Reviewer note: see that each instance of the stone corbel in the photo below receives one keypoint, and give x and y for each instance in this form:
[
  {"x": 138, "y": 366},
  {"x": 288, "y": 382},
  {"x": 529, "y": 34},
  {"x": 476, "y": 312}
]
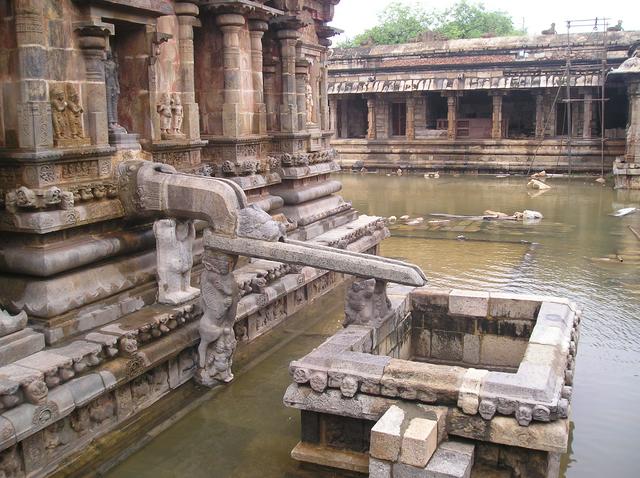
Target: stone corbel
[{"x": 157, "y": 39}]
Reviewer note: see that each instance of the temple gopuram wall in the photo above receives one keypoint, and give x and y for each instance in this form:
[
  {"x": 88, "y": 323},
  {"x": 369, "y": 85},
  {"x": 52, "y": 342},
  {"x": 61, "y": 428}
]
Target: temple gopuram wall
[
  {"x": 483, "y": 105},
  {"x": 233, "y": 90}
]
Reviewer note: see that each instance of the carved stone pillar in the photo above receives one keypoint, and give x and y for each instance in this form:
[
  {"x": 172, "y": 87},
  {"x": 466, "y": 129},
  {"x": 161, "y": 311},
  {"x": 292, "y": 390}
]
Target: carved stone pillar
[
  {"x": 270, "y": 97},
  {"x": 587, "y": 114},
  {"x": 187, "y": 20},
  {"x": 371, "y": 118},
  {"x": 302, "y": 78},
  {"x": 632, "y": 154},
  {"x": 231, "y": 24},
  {"x": 333, "y": 114},
  {"x": 256, "y": 32},
  {"x": 93, "y": 42},
  {"x": 33, "y": 108},
  {"x": 452, "y": 106},
  {"x": 411, "y": 118},
  {"x": 288, "y": 108},
  {"x": 496, "y": 117},
  {"x": 539, "y": 116},
  {"x": 344, "y": 119}
]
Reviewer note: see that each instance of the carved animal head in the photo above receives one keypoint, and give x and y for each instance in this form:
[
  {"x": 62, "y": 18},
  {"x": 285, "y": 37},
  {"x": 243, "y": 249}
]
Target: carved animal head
[
  {"x": 254, "y": 223},
  {"x": 25, "y": 197}
]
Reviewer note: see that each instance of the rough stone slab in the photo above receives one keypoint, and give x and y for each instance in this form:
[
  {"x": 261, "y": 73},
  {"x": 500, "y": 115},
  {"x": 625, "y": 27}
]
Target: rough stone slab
[
  {"x": 106, "y": 340},
  {"x": 471, "y": 349},
  {"x": 379, "y": 468},
  {"x": 78, "y": 349},
  {"x": 513, "y": 306},
  {"x": 19, "y": 374},
  {"x": 551, "y": 436},
  {"x": 86, "y": 388},
  {"x": 469, "y": 303},
  {"x": 45, "y": 361},
  {"x": 532, "y": 382},
  {"x": 19, "y": 345},
  {"x": 363, "y": 406},
  {"x": 425, "y": 382},
  {"x": 386, "y": 439},
  {"x": 451, "y": 460},
  {"x": 555, "y": 315},
  {"x": 431, "y": 296},
  {"x": 402, "y": 470},
  {"x": 469, "y": 395},
  {"x": 419, "y": 442},
  {"x": 501, "y": 351},
  {"x": 331, "y": 457},
  {"x": 366, "y": 368}
]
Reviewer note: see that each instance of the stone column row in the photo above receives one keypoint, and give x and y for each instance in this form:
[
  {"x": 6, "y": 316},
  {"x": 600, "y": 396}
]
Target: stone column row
[
  {"x": 231, "y": 24},
  {"x": 289, "y": 106},
  {"x": 256, "y": 32},
  {"x": 187, "y": 19}
]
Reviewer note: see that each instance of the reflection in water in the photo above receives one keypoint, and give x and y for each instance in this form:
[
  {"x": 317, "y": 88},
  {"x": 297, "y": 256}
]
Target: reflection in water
[{"x": 577, "y": 250}]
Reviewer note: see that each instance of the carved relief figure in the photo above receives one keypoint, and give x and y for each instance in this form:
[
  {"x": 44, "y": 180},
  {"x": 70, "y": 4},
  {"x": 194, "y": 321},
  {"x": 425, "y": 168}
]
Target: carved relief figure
[
  {"x": 174, "y": 245},
  {"x": 58, "y": 112},
  {"x": 219, "y": 302},
  {"x": 310, "y": 103},
  {"x": 164, "y": 110},
  {"x": 74, "y": 112},
  {"x": 367, "y": 303},
  {"x": 113, "y": 92},
  {"x": 177, "y": 112}
]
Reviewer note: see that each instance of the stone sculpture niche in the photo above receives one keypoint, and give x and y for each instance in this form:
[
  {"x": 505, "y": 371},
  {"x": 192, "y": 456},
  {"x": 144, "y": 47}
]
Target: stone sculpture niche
[
  {"x": 66, "y": 115},
  {"x": 174, "y": 252},
  {"x": 171, "y": 114}
]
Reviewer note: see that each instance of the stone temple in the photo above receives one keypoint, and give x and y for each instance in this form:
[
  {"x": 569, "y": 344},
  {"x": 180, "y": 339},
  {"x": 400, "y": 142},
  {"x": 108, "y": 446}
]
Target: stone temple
[{"x": 166, "y": 198}]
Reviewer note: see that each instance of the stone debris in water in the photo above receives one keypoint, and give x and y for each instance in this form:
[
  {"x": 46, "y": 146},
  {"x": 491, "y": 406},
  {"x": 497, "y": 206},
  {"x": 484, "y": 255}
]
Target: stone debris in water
[
  {"x": 624, "y": 211},
  {"x": 536, "y": 184}
]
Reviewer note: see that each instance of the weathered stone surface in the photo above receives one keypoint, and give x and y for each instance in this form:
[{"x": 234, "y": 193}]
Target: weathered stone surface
[
  {"x": 419, "y": 442},
  {"x": 386, "y": 438},
  {"x": 469, "y": 303},
  {"x": 513, "y": 306},
  {"x": 469, "y": 395},
  {"x": 20, "y": 344},
  {"x": 379, "y": 468},
  {"x": 451, "y": 460}
]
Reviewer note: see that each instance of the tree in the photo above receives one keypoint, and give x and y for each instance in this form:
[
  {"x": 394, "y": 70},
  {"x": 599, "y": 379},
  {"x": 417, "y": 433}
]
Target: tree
[{"x": 401, "y": 23}]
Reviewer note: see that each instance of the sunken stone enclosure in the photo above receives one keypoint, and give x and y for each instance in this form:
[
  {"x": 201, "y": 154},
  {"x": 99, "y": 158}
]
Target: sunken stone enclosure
[{"x": 448, "y": 381}]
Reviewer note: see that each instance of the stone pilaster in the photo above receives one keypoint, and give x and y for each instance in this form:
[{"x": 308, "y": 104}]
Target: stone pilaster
[
  {"x": 302, "y": 77},
  {"x": 411, "y": 118},
  {"x": 587, "y": 114},
  {"x": 256, "y": 32},
  {"x": 288, "y": 108},
  {"x": 231, "y": 24},
  {"x": 324, "y": 97},
  {"x": 33, "y": 108},
  {"x": 187, "y": 19},
  {"x": 270, "y": 97},
  {"x": 632, "y": 154},
  {"x": 371, "y": 118},
  {"x": 496, "y": 116},
  {"x": 539, "y": 116},
  {"x": 93, "y": 42},
  {"x": 344, "y": 119}
]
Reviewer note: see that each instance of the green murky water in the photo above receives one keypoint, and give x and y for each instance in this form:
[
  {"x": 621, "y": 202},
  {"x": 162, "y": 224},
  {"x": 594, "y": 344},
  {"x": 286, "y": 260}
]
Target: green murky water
[{"x": 577, "y": 250}]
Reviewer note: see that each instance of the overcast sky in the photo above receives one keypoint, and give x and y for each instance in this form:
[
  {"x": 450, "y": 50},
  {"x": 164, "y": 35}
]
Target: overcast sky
[{"x": 355, "y": 16}]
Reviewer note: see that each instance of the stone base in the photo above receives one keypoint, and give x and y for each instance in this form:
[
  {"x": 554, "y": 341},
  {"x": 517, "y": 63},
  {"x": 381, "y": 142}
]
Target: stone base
[
  {"x": 331, "y": 457},
  {"x": 178, "y": 297},
  {"x": 173, "y": 136},
  {"x": 71, "y": 142},
  {"x": 626, "y": 175},
  {"x": 20, "y": 345},
  {"x": 124, "y": 140}
]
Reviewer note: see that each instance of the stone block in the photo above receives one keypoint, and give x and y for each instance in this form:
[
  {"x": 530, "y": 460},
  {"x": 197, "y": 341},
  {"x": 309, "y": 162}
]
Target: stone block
[
  {"x": 469, "y": 303},
  {"x": 379, "y": 468},
  {"x": 471, "y": 349},
  {"x": 513, "y": 306},
  {"x": 502, "y": 351},
  {"x": 386, "y": 435},
  {"x": 451, "y": 460},
  {"x": 419, "y": 442},
  {"x": 469, "y": 395},
  {"x": 20, "y": 344},
  {"x": 446, "y": 345},
  {"x": 402, "y": 470},
  {"x": 86, "y": 388}
]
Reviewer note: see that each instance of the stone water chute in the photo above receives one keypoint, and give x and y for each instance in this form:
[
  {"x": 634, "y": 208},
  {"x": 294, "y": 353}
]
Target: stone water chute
[{"x": 235, "y": 229}]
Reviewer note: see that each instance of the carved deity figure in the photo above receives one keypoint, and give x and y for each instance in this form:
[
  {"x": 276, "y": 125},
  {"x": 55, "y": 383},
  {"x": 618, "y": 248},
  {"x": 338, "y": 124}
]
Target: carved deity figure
[
  {"x": 74, "y": 112},
  {"x": 113, "y": 92},
  {"x": 367, "y": 303},
  {"x": 59, "y": 113},
  {"x": 174, "y": 245},
  {"x": 309, "y": 103},
  {"x": 177, "y": 113},
  {"x": 219, "y": 303},
  {"x": 164, "y": 110}
]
